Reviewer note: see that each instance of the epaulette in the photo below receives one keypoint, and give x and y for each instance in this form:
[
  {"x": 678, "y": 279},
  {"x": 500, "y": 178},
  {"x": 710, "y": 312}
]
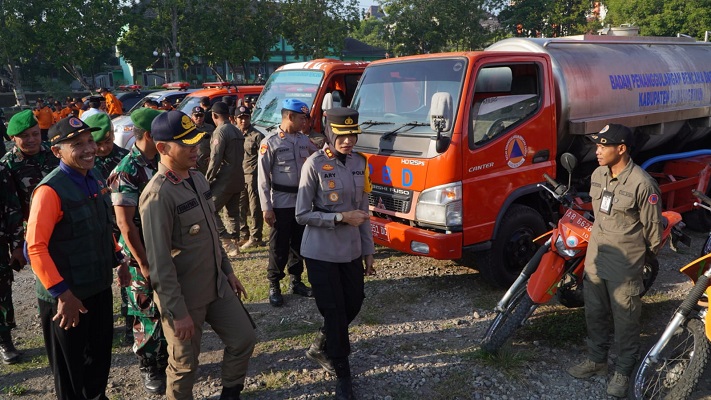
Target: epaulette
[
  {"x": 329, "y": 153},
  {"x": 172, "y": 177},
  {"x": 156, "y": 183}
]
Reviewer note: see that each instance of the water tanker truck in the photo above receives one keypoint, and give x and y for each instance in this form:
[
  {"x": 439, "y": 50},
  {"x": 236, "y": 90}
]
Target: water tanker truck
[{"x": 457, "y": 142}]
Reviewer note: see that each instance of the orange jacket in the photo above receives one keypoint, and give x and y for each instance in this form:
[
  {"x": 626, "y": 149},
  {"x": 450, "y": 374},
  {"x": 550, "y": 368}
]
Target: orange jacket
[
  {"x": 45, "y": 117},
  {"x": 113, "y": 104}
]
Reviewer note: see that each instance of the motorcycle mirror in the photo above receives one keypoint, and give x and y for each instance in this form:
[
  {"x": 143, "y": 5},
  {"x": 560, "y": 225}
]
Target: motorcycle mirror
[{"x": 568, "y": 161}]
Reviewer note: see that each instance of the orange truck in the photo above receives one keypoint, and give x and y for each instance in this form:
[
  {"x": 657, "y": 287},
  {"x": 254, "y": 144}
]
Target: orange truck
[
  {"x": 321, "y": 83},
  {"x": 458, "y": 142}
]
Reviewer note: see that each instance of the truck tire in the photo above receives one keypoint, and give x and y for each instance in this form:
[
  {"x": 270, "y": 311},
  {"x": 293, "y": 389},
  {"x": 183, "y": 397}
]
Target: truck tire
[
  {"x": 506, "y": 323},
  {"x": 681, "y": 363},
  {"x": 513, "y": 246}
]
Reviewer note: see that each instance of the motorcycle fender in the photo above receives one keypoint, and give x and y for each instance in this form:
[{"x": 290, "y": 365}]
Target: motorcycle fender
[
  {"x": 707, "y": 319},
  {"x": 544, "y": 282}
]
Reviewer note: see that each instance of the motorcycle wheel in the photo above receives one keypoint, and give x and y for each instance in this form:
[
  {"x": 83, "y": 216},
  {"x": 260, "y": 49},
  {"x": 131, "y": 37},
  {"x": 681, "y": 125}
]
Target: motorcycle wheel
[
  {"x": 508, "y": 321},
  {"x": 681, "y": 363}
]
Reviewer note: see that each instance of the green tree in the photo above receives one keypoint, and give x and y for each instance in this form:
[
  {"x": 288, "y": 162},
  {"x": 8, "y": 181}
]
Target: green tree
[
  {"x": 267, "y": 20},
  {"x": 318, "y": 27},
  {"x": 662, "y": 17},
  {"x": 374, "y": 32},
  {"x": 17, "y": 22},
  {"x": 547, "y": 18},
  {"x": 78, "y": 36}
]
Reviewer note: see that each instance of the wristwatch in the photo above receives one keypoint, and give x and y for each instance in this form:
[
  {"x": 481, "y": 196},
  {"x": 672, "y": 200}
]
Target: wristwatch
[{"x": 339, "y": 218}]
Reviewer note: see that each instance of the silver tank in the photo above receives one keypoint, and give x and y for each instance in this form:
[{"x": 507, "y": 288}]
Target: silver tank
[{"x": 654, "y": 84}]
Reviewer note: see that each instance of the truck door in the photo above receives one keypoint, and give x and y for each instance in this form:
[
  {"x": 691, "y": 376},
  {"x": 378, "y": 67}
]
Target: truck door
[{"x": 511, "y": 139}]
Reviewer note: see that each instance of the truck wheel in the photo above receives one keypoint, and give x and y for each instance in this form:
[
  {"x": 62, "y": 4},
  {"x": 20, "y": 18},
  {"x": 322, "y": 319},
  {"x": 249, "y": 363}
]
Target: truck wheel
[{"x": 513, "y": 245}]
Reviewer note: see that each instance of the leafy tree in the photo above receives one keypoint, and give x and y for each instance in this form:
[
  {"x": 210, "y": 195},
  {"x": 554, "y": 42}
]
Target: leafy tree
[
  {"x": 266, "y": 28},
  {"x": 17, "y": 22},
  {"x": 78, "y": 35},
  {"x": 662, "y": 17},
  {"x": 547, "y": 18},
  {"x": 318, "y": 27},
  {"x": 372, "y": 31}
]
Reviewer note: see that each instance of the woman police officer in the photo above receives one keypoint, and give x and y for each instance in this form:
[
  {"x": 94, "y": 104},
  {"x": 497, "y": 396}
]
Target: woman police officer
[{"x": 333, "y": 204}]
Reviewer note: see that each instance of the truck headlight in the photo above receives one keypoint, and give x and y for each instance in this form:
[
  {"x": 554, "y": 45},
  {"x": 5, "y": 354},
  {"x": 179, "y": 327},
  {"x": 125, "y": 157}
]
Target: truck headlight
[{"x": 441, "y": 205}]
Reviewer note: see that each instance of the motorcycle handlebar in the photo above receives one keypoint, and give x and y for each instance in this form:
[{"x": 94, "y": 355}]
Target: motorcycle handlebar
[
  {"x": 551, "y": 181},
  {"x": 701, "y": 196}
]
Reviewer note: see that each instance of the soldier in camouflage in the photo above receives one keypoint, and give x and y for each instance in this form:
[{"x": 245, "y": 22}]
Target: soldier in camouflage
[
  {"x": 23, "y": 166},
  {"x": 30, "y": 160},
  {"x": 127, "y": 181},
  {"x": 107, "y": 154},
  {"x": 11, "y": 237}
]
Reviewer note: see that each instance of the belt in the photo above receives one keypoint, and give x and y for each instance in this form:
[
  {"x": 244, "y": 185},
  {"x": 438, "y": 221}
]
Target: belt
[{"x": 285, "y": 188}]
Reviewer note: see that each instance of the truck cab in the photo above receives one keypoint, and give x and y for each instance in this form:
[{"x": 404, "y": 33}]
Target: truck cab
[
  {"x": 310, "y": 82},
  {"x": 456, "y": 144}
]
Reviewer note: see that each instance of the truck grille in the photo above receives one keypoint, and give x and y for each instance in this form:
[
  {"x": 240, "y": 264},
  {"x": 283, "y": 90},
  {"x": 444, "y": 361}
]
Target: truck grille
[{"x": 391, "y": 199}]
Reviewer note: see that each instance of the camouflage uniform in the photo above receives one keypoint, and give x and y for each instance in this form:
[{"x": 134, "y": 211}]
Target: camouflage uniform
[
  {"x": 127, "y": 182},
  {"x": 106, "y": 164},
  {"x": 28, "y": 171},
  {"x": 11, "y": 236}
]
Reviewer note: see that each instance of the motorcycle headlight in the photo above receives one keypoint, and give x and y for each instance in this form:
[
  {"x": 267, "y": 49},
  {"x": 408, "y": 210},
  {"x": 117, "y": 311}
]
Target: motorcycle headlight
[
  {"x": 441, "y": 205},
  {"x": 562, "y": 249}
]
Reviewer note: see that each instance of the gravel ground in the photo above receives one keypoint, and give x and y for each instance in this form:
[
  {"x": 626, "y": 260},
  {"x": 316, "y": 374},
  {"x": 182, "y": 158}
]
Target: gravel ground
[{"x": 416, "y": 338}]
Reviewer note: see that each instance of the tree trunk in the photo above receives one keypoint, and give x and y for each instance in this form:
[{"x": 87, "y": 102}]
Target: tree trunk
[{"x": 16, "y": 84}]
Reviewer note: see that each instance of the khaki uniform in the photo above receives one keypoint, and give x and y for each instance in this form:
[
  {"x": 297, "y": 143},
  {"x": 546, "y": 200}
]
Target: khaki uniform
[
  {"x": 225, "y": 174},
  {"x": 249, "y": 198},
  {"x": 189, "y": 269},
  {"x": 615, "y": 258},
  {"x": 281, "y": 157},
  {"x": 204, "y": 148}
]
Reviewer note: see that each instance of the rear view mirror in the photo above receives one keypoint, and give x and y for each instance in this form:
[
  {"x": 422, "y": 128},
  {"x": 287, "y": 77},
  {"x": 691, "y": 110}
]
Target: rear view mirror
[
  {"x": 441, "y": 112},
  {"x": 568, "y": 161}
]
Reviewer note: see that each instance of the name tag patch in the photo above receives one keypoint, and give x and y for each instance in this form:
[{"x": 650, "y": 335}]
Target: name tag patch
[{"x": 187, "y": 206}]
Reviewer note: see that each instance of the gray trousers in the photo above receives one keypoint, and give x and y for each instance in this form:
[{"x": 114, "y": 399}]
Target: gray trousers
[{"x": 613, "y": 304}]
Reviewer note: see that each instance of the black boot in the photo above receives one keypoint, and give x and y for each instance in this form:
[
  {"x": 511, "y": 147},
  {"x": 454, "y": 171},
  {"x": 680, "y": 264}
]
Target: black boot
[
  {"x": 275, "y": 297},
  {"x": 317, "y": 353},
  {"x": 344, "y": 383},
  {"x": 153, "y": 380},
  {"x": 8, "y": 352},
  {"x": 298, "y": 287},
  {"x": 231, "y": 393}
]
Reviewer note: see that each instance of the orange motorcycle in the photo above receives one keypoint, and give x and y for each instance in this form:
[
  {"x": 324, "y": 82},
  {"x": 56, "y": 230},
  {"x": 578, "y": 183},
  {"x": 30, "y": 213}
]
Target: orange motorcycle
[{"x": 556, "y": 269}]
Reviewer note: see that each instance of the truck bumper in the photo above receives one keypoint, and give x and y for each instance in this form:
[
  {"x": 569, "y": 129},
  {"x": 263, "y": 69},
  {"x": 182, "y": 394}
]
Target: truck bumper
[{"x": 421, "y": 242}]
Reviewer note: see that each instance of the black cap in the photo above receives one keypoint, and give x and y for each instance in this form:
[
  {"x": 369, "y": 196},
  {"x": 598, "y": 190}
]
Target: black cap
[
  {"x": 242, "y": 110},
  {"x": 103, "y": 89},
  {"x": 174, "y": 126},
  {"x": 343, "y": 121},
  {"x": 611, "y": 134},
  {"x": 67, "y": 128},
  {"x": 220, "y": 107},
  {"x": 198, "y": 110}
]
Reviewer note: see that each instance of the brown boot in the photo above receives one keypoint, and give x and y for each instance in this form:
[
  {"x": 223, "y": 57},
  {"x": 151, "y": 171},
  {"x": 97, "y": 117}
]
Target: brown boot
[{"x": 230, "y": 248}]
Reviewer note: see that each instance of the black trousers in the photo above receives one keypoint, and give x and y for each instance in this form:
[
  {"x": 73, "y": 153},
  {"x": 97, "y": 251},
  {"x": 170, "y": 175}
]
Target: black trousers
[
  {"x": 80, "y": 358},
  {"x": 285, "y": 236},
  {"x": 339, "y": 292}
]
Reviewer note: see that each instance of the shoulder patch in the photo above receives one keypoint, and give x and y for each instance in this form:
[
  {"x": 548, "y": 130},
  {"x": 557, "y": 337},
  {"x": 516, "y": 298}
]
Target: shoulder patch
[
  {"x": 263, "y": 148},
  {"x": 173, "y": 177},
  {"x": 281, "y": 135},
  {"x": 188, "y": 205},
  {"x": 653, "y": 198}
]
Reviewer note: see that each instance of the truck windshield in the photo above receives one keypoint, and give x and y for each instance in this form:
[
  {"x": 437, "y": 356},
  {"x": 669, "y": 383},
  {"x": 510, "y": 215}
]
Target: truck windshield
[
  {"x": 282, "y": 85},
  {"x": 398, "y": 95}
]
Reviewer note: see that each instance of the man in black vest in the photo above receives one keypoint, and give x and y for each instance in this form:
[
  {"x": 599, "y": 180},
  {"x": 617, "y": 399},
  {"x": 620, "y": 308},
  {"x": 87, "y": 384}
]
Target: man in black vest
[{"x": 72, "y": 253}]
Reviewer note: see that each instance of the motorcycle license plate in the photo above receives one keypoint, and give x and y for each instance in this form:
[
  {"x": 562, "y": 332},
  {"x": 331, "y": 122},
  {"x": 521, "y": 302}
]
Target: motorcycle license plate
[
  {"x": 380, "y": 231},
  {"x": 577, "y": 223}
]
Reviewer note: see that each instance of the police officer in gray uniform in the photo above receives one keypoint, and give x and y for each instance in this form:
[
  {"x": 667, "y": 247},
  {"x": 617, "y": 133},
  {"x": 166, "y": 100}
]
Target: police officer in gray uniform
[
  {"x": 225, "y": 174},
  {"x": 628, "y": 228},
  {"x": 337, "y": 244},
  {"x": 281, "y": 156}
]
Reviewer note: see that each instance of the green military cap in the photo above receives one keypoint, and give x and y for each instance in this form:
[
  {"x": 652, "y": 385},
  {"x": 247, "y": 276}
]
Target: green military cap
[
  {"x": 101, "y": 121},
  {"x": 20, "y": 122},
  {"x": 143, "y": 117}
]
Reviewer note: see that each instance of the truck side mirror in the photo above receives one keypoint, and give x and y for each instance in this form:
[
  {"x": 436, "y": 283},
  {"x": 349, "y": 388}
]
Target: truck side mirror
[
  {"x": 327, "y": 102},
  {"x": 441, "y": 115}
]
